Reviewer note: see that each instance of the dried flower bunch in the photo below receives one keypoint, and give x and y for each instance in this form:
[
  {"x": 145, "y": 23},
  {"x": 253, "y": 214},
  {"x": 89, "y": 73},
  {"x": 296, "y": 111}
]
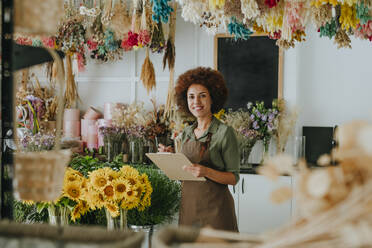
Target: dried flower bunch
[
  {"x": 334, "y": 202},
  {"x": 39, "y": 101}
]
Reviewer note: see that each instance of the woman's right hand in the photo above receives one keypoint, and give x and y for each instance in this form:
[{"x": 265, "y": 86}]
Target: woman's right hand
[{"x": 163, "y": 148}]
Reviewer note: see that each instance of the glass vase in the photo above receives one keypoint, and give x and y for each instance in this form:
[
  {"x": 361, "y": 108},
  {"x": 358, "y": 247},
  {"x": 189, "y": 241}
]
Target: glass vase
[
  {"x": 244, "y": 156},
  {"x": 117, "y": 223},
  {"x": 266, "y": 143},
  {"x": 58, "y": 216},
  {"x": 113, "y": 147},
  {"x": 136, "y": 151}
]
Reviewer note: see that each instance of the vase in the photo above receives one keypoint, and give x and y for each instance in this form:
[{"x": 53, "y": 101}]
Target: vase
[
  {"x": 266, "y": 143},
  {"x": 113, "y": 147},
  {"x": 244, "y": 156},
  {"x": 148, "y": 230},
  {"x": 58, "y": 216},
  {"x": 136, "y": 151},
  {"x": 117, "y": 223}
]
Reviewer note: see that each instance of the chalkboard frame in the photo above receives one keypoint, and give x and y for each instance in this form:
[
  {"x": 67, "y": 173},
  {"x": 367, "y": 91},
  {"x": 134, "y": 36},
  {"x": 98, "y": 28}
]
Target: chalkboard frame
[{"x": 280, "y": 59}]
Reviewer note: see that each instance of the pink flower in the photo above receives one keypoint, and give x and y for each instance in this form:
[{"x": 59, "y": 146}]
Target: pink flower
[{"x": 81, "y": 62}]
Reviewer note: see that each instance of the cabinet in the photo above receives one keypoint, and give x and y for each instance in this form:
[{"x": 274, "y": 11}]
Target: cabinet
[{"x": 255, "y": 211}]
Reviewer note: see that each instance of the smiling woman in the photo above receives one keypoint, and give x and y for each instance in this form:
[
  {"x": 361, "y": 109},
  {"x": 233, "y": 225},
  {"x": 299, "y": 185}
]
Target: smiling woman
[{"x": 212, "y": 147}]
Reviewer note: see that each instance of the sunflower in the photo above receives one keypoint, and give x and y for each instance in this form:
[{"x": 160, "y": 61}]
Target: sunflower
[
  {"x": 131, "y": 194},
  {"x": 120, "y": 188},
  {"x": 129, "y": 172},
  {"x": 95, "y": 200},
  {"x": 128, "y": 205},
  {"x": 72, "y": 190},
  {"x": 109, "y": 192},
  {"x": 98, "y": 178},
  {"x": 110, "y": 174},
  {"x": 113, "y": 209},
  {"x": 72, "y": 175}
]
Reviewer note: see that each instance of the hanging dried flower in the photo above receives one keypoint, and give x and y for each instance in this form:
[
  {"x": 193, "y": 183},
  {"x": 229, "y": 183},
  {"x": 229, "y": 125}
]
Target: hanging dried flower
[
  {"x": 285, "y": 44},
  {"x": 232, "y": 8},
  {"x": 249, "y": 9},
  {"x": 329, "y": 29},
  {"x": 321, "y": 15},
  {"x": 71, "y": 94},
  {"x": 238, "y": 30},
  {"x": 169, "y": 55},
  {"x": 362, "y": 12},
  {"x": 319, "y": 3},
  {"x": 271, "y": 3},
  {"x": 128, "y": 43},
  {"x": 148, "y": 74},
  {"x": 342, "y": 39},
  {"x": 216, "y": 4},
  {"x": 364, "y": 31},
  {"x": 161, "y": 10},
  {"x": 120, "y": 21},
  {"x": 144, "y": 38},
  {"x": 348, "y": 17},
  {"x": 157, "y": 41},
  {"x": 192, "y": 10}
]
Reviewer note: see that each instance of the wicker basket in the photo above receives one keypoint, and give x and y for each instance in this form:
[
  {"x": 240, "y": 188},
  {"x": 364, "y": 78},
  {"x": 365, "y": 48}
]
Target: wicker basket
[
  {"x": 38, "y": 17},
  {"x": 39, "y": 175}
]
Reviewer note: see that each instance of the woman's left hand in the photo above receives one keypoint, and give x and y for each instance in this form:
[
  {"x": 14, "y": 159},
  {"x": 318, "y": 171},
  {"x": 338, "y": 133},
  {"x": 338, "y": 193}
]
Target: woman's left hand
[{"x": 197, "y": 170}]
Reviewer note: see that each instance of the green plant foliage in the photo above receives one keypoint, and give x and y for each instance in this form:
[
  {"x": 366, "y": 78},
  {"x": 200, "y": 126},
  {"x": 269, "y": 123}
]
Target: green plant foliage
[
  {"x": 165, "y": 200},
  {"x": 25, "y": 213}
]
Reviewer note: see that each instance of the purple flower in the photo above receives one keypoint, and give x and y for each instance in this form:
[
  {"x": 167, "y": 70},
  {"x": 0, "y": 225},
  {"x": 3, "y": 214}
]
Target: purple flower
[
  {"x": 271, "y": 116},
  {"x": 252, "y": 117},
  {"x": 255, "y": 125},
  {"x": 258, "y": 113},
  {"x": 264, "y": 117}
]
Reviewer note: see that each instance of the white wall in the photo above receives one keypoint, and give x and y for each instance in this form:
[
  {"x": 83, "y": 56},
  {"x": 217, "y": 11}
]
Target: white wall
[{"x": 329, "y": 85}]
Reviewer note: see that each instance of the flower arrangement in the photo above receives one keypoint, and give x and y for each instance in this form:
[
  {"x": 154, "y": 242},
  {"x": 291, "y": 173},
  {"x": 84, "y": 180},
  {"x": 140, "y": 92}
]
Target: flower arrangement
[
  {"x": 264, "y": 120},
  {"x": 126, "y": 189}
]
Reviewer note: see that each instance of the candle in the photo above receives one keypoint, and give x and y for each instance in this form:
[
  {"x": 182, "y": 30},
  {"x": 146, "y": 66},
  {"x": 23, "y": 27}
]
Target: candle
[
  {"x": 92, "y": 139},
  {"x": 92, "y": 114},
  {"x": 71, "y": 115},
  {"x": 71, "y": 129},
  {"x": 102, "y": 123},
  {"x": 84, "y": 128}
]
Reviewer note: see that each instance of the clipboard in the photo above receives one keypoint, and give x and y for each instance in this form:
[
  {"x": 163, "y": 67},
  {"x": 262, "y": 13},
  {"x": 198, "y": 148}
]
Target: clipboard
[{"x": 171, "y": 164}]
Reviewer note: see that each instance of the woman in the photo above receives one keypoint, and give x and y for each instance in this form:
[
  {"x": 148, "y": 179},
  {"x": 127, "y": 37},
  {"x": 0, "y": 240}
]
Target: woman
[{"x": 212, "y": 147}]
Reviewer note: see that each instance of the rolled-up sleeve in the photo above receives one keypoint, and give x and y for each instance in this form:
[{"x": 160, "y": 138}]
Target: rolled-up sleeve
[{"x": 230, "y": 152}]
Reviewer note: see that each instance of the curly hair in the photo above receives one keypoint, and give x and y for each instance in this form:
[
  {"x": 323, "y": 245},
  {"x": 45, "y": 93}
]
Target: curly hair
[{"x": 210, "y": 79}]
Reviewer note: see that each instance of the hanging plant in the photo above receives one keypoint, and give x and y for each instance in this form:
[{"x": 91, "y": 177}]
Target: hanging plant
[
  {"x": 193, "y": 10},
  {"x": 364, "y": 31},
  {"x": 71, "y": 94},
  {"x": 319, "y": 3},
  {"x": 216, "y": 4},
  {"x": 148, "y": 74},
  {"x": 321, "y": 15},
  {"x": 238, "y": 30},
  {"x": 161, "y": 10}
]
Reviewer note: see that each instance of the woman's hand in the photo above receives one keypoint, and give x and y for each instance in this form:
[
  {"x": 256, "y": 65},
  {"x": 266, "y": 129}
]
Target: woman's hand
[
  {"x": 163, "y": 148},
  {"x": 197, "y": 170}
]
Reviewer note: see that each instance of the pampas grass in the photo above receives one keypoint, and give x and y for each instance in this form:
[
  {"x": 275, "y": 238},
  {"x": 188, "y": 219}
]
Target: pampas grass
[
  {"x": 148, "y": 73},
  {"x": 286, "y": 123}
]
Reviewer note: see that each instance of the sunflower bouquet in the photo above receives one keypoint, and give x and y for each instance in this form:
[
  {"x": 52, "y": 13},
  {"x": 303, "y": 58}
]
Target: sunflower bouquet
[{"x": 115, "y": 190}]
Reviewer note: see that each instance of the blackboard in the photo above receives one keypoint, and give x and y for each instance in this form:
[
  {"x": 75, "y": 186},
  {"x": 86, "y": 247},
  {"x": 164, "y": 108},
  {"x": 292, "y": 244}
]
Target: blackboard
[{"x": 252, "y": 69}]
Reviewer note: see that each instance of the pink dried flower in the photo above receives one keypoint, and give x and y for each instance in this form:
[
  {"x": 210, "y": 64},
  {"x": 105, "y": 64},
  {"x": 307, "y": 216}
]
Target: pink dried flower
[
  {"x": 271, "y": 3},
  {"x": 144, "y": 37},
  {"x": 24, "y": 41},
  {"x": 48, "y": 42},
  {"x": 92, "y": 45}
]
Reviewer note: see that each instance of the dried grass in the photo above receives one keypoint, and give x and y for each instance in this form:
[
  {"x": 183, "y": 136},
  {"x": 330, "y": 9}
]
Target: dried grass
[
  {"x": 148, "y": 73},
  {"x": 71, "y": 94},
  {"x": 286, "y": 124}
]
